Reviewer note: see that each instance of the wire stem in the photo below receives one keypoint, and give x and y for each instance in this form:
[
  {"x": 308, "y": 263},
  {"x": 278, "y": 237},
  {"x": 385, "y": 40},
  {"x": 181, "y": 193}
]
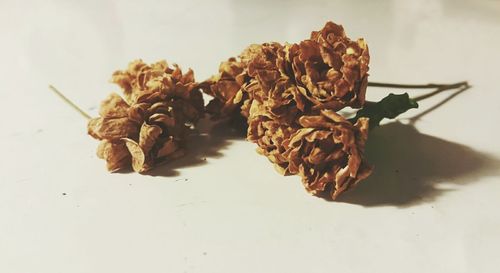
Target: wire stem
[
  {"x": 65, "y": 99},
  {"x": 461, "y": 85},
  {"x": 440, "y": 88},
  {"x": 414, "y": 119},
  {"x": 419, "y": 86}
]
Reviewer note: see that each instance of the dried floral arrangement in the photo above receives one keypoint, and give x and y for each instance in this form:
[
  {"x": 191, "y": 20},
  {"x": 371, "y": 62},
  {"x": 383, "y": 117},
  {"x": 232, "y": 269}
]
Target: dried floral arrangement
[
  {"x": 150, "y": 124},
  {"x": 292, "y": 96}
]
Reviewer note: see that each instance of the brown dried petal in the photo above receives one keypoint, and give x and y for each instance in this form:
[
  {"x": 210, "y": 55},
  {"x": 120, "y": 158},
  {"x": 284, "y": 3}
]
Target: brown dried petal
[
  {"x": 250, "y": 52},
  {"x": 115, "y": 153},
  {"x": 162, "y": 120},
  {"x": 138, "y": 112},
  {"x": 160, "y": 107},
  {"x": 111, "y": 128},
  {"x": 168, "y": 148},
  {"x": 113, "y": 107},
  {"x": 148, "y": 136},
  {"x": 138, "y": 156}
]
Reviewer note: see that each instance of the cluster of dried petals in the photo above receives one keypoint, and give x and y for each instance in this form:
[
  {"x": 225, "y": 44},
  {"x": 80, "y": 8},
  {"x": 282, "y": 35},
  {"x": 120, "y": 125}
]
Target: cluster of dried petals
[
  {"x": 289, "y": 94},
  {"x": 226, "y": 86},
  {"x": 332, "y": 68},
  {"x": 327, "y": 152},
  {"x": 151, "y": 124},
  {"x": 326, "y": 71},
  {"x": 269, "y": 134},
  {"x": 272, "y": 83},
  {"x": 142, "y": 82},
  {"x": 273, "y": 105}
]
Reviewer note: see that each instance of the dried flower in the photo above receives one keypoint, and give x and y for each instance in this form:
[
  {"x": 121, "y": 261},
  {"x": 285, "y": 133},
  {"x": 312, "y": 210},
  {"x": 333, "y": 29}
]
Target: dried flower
[
  {"x": 324, "y": 148},
  {"x": 151, "y": 125},
  {"x": 289, "y": 94},
  {"x": 269, "y": 134},
  {"x": 272, "y": 83},
  {"x": 332, "y": 68},
  {"x": 327, "y": 152},
  {"x": 327, "y": 71},
  {"x": 226, "y": 86}
]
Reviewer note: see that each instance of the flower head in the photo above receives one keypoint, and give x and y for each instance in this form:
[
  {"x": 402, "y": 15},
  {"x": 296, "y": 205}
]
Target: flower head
[
  {"x": 327, "y": 152},
  {"x": 332, "y": 68},
  {"x": 152, "y": 122}
]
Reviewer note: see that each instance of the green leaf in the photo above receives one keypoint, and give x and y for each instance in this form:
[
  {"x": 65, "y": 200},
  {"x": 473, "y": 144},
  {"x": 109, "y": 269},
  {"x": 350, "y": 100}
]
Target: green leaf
[{"x": 389, "y": 107}]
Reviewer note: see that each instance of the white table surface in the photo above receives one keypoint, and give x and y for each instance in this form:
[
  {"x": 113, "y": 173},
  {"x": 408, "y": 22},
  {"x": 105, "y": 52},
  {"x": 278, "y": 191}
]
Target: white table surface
[{"x": 432, "y": 204}]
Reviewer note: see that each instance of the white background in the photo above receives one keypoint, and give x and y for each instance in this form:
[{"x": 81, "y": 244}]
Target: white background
[{"x": 432, "y": 204}]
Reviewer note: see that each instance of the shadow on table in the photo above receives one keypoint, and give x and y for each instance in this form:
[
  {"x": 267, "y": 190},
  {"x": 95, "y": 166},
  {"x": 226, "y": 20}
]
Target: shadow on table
[
  {"x": 207, "y": 141},
  {"x": 410, "y": 166}
]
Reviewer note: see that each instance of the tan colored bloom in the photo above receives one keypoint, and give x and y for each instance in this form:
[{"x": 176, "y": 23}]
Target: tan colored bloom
[
  {"x": 272, "y": 83},
  {"x": 332, "y": 68},
  {"x": 327, "y": 152},
  {"x": 289, "y": 94},
  {"x": 158, "y": 82},
  {"x": 327, "y": 71},
  {"x": 226, "y": 86},
  {"x": 269, "y": 134},
  {"x": 151, "y": 125}
]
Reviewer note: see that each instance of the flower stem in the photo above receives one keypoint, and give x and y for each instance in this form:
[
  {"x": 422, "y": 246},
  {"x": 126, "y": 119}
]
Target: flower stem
[
  {"x": 461, "y": 85},
  {"x": 393, "y": 105},
  {"x": 65, "y": 99},
  {"x": 419, "y": 86},
  {"x": 458, "y": 92}
]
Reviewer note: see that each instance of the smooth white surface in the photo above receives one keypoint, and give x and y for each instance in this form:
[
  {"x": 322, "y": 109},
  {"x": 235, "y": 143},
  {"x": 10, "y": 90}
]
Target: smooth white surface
[{"x": 431, "y": 205}]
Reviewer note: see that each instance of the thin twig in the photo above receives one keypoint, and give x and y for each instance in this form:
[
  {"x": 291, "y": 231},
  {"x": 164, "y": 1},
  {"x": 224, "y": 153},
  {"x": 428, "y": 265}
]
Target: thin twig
[
  {"x": 440, "y": 88},
  {"x": 463, "y": 85},
  {"x": 414, "y": 119},
  {"x": 87, "y": 116},
  {"x": 418, "y": 86}
]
